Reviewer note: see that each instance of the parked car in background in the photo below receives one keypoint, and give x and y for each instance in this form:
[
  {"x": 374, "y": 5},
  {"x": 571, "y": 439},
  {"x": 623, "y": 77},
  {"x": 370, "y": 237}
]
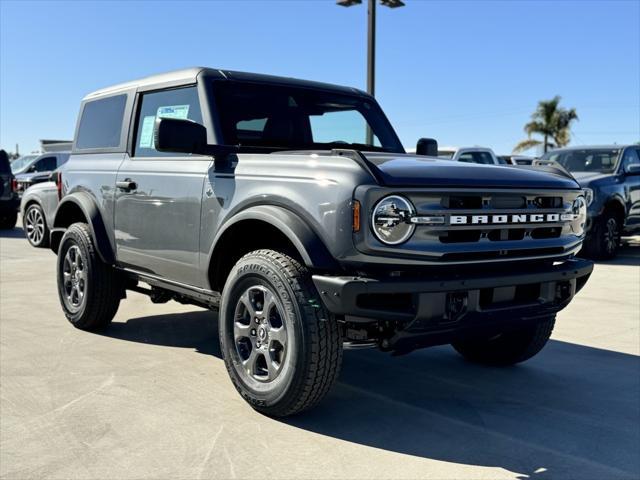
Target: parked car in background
[
  {"x": 8, "y": 198},
  {"x": 39, "y": 170},
  {"x": 516, "y": 159},
  {"x": 611, "y": 178},
  {"x": 38, "y": 207},
  {"x": 481, "y": 155},
  {"x": 20, "y": 163}
]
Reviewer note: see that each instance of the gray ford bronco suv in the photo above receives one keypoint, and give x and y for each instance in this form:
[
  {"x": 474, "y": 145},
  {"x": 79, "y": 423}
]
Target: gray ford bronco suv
[{"x": 292, "y": 207}]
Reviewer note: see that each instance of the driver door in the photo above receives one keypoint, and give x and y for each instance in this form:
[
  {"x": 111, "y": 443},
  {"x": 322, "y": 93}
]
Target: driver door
[{"x": 159, "y": 195}]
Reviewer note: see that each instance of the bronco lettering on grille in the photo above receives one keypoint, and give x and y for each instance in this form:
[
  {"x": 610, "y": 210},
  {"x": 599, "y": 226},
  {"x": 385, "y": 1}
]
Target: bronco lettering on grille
[{"x": 505, "y": 219}]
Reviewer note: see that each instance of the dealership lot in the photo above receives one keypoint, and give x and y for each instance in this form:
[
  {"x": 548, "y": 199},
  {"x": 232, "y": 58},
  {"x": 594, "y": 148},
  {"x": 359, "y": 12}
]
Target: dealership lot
[{"x": 150, "y": 397}]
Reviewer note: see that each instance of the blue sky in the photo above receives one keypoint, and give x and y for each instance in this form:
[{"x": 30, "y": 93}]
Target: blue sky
[{"x": 463, "y": 72}]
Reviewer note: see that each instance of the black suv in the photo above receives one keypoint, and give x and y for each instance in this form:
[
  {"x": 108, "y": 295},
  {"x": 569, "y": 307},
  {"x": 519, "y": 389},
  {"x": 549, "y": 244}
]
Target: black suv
[
  {"x": 9, "y": 200},
  {"x": 292, "y": 206},
  {"x": 611, "y": 178}
]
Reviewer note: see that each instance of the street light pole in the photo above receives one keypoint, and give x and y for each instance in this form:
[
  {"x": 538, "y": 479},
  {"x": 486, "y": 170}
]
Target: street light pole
[
  {"x": 371, "y": 48},
  {"x": 371, "y": 43}
]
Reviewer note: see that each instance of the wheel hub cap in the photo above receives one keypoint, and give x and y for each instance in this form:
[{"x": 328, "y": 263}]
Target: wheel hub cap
[
  {"x": 35, "y": 225},
  {"x": 74, "y": 278},
  {"x": 259, "y": 332}
]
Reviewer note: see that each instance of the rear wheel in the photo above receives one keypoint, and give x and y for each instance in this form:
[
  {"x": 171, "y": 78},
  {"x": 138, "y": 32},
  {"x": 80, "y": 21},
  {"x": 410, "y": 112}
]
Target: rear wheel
[
  {"x": 8, "y": 221},
  {"x": 603, "y": 241},
  {"x": 507, "y": 348},
  {"x": 35, "y": 226},
  {"x": 89, "y": 289},
  {"x": 281, "y": 347}
]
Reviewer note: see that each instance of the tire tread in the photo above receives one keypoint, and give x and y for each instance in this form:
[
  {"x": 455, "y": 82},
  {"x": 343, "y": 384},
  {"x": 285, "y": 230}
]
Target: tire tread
[
  {"x": 324, "y": 344},
  {"x": 104, "y": 299}
]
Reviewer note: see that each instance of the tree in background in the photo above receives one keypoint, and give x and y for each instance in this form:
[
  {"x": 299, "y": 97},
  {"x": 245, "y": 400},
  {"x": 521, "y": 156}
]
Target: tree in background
[{"x": 552, "y": 122}]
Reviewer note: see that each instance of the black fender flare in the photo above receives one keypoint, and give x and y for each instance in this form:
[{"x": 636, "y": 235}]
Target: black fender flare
[
  {"x": 65, "y": 217},
  {"x": 618, "y": 198},
  {"x": 307, "y": 242}
]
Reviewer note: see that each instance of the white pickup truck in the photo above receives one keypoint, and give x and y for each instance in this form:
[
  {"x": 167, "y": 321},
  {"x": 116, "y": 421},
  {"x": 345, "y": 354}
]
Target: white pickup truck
[{"x": 469, "y": 155}]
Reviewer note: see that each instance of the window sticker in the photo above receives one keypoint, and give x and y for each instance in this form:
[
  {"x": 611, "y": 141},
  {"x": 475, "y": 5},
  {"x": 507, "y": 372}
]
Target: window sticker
[
  {"x": 174, "y": 111},
  {"x": 146, "y": 134}
]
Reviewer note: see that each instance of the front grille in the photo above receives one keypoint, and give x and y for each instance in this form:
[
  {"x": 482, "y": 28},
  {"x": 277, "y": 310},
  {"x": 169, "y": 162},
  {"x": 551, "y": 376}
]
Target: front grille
[{"x": 488, "y": 225}]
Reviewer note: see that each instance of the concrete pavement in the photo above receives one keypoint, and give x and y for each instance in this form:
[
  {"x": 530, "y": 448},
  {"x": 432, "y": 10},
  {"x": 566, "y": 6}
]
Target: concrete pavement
[{"x": 150, "y": 397}]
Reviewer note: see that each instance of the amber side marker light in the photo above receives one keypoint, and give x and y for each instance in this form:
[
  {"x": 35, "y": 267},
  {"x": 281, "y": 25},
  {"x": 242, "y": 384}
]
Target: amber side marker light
[{"x": 356, "y": 216}]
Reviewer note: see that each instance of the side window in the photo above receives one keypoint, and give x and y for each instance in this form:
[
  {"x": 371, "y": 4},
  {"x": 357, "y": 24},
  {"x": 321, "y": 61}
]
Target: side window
[
  {"x": 101, "y": 123},
  {"x": 177, "y": 103},
  {"x": 45, "y": 164},
  {"x": 630, "y": 157},
  {"x": 466, "y": 157},
  {"x": 484, "y": 158}
]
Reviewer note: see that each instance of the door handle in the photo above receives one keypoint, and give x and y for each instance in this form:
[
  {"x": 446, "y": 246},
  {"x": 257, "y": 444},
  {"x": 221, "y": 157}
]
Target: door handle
[{"x": 127, "y": 185}]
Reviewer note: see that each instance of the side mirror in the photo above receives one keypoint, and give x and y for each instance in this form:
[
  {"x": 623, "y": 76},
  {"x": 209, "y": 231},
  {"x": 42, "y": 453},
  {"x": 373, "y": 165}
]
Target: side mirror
[
  {"x": 186, "y": 136},
  {"x": 633, "y": 169},
  {"x": 428, "y": 147},
  {"x": 53, "y": 176},
  {"x": 32, "y": 169}
]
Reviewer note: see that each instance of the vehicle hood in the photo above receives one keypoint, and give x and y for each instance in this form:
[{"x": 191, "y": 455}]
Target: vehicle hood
[
  {"x": 407, "y": 170},
  {"x": 587, "y": 178}
]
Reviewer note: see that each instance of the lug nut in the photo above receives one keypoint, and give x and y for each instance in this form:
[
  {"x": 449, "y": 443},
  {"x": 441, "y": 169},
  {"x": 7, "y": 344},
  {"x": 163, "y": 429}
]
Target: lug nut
[{"x": 253, "y": 332}]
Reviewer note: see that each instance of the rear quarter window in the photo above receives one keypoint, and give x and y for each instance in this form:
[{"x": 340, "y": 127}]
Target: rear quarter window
[{"x": 101, "y": 123}]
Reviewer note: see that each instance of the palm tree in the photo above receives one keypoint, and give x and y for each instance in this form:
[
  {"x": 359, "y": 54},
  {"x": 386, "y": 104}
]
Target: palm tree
[{"x": 550, "y": 121}]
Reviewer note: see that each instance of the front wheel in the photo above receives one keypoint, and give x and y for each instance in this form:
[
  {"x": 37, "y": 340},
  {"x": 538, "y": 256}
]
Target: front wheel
[
  {"x": 89, "y": 289},
  {"x": 281, "y": 347},
  {"x": 603, "y": 241},
  {"x": 509, "y": 347}
]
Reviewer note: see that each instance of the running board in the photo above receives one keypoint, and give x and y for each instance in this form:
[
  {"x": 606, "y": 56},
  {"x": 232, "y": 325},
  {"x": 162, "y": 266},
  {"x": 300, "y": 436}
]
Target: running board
[{"x": 181, "y": 292}]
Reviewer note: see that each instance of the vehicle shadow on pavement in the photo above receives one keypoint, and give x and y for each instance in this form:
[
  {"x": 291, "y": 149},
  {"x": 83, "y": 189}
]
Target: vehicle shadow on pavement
[
  {"x": 197, "y": 330},
  {"x": 571, "y": 412},
  {"x": 627, "y": 255},
  {"x": 15, "y": 232}
]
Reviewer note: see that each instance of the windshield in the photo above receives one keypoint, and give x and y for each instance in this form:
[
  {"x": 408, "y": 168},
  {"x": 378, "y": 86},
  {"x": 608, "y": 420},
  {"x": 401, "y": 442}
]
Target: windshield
[
  {"x": 19, "y": 163},
  {"x": 588, "y": 160},
  {"x": 262, "y": 117}
]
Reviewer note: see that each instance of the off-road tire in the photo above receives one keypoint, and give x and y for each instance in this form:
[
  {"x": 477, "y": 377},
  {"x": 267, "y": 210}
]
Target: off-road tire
[
  {"x": 103, "y": 285},
  {"x": 32, "y": 214},
  {"x": 598, "y": 244},
  {"x": 8, "y": 221},
  {"x": 314, "y": 336},
  {"x": 508, "y": 348}
]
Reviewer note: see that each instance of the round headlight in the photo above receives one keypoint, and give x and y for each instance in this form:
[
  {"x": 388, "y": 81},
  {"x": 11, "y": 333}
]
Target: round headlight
[
  {"x": 391, "y": 220},
  {"x": 579, "y": 210}
]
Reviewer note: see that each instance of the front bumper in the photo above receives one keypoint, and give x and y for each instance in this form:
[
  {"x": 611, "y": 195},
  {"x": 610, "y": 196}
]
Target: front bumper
[{"x": 456, "y": 300}]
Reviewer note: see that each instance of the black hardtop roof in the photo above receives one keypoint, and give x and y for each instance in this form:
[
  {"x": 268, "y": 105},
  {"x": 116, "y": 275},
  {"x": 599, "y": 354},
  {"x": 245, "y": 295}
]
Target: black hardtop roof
[{"x": 190, "y": 75}]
